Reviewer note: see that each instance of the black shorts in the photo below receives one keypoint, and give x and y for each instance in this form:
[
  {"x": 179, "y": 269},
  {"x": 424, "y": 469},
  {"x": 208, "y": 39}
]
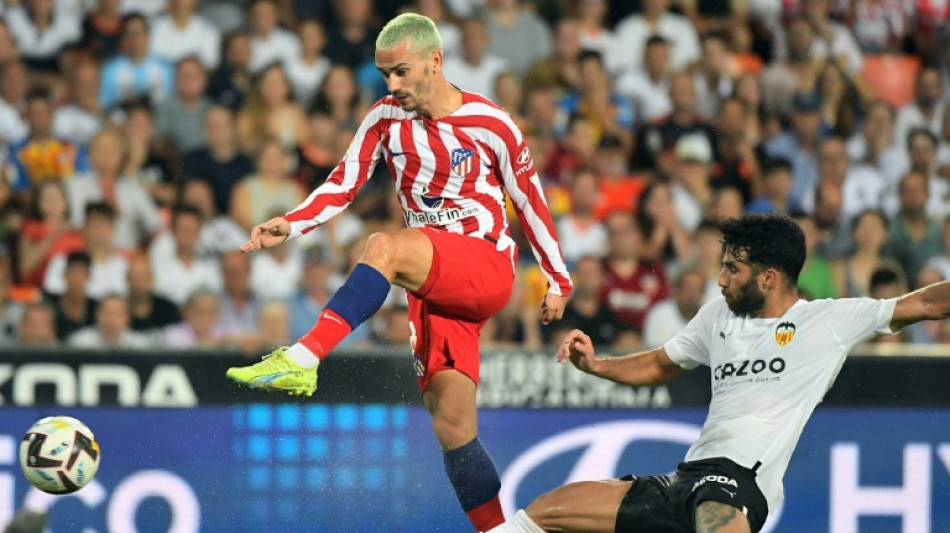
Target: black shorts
[{"x": 667, "y": 504}]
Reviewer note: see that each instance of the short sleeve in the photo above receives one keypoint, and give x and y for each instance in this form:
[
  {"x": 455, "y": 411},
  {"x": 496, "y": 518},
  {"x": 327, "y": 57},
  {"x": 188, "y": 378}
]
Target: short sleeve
[
  {"x": 856, "y": 320},
  {"x": 690, "y": 347}
]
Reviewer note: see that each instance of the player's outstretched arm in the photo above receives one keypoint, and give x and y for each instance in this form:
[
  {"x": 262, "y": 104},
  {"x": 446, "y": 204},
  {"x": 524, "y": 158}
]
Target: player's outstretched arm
[
  {"x": 643, "y": 368},
  {"x": 928, "y": 303}
]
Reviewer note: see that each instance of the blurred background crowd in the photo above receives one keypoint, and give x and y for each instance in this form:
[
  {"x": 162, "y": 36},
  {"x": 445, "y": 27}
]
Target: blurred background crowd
[{"x": 142, "y": 139}]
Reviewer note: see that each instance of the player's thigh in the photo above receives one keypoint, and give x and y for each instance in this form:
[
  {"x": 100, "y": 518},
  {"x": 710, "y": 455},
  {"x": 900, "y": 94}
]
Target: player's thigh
[
  {"x": 715, "y": 517},
  {"x": 585, "y": 506},
  {"x": 450, "y": 400}
]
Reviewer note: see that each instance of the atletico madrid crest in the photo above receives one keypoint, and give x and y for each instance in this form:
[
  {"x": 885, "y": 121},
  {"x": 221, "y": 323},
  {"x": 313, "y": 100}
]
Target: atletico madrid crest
[
  {"x": 784, "y": 333},
  {"x": 462, "y": 161}
]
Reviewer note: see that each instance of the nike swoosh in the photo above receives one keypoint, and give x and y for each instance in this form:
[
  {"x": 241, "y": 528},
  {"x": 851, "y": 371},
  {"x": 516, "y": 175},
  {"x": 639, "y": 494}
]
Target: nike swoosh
[
  {"x": 395, "y": 154},
  {"x": 331, "y": 317}
]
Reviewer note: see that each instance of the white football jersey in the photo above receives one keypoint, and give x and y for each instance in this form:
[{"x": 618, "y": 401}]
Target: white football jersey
[{"x": 768, "y": 374}]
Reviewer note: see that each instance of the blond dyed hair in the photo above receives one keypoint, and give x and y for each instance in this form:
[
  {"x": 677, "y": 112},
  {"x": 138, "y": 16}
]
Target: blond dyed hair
[{"x": 419, "y": 30}]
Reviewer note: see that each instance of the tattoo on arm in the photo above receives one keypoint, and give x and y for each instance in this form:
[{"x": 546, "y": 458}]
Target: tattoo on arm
[{"x": 713, "y": 517}]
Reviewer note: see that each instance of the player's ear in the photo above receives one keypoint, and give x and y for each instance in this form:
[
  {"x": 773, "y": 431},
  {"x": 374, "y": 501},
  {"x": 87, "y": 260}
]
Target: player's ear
[{"x": 436, "y": 57}]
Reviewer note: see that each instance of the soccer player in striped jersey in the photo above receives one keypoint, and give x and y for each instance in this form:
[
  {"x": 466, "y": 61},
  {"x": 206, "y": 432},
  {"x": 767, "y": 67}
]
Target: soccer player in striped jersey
[{"x": 453, "y": 156}]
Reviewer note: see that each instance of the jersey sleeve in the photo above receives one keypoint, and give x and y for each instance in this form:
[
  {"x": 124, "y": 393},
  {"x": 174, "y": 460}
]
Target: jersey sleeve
[
  {"x": 527, "y": 197},
  {"x": 855, "y": 320},
  {"x": 690, "y": 347},
  {"x": 341, "y": 186}
]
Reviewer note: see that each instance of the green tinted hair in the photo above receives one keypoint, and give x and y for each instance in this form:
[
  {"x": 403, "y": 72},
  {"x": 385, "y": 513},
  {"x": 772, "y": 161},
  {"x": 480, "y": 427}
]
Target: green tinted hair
[{"x": 419, "y": 30}]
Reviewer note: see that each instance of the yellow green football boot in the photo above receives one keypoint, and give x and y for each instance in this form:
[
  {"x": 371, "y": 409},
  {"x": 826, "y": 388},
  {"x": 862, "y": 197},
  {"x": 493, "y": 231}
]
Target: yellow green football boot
[{"x": 276, "y": 372}]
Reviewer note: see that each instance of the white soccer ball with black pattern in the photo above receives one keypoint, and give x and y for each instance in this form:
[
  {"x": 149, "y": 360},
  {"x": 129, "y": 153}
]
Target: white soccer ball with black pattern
[{"x": 59, "y": 455}]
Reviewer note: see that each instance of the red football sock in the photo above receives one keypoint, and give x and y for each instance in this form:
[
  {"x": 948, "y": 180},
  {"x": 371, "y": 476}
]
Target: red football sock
[
  {"x": 487, "y": 515},
  {"x": 329, "y": 330}
]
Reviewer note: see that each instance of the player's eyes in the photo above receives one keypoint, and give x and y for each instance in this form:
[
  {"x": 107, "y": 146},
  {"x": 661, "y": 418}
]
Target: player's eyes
[{"x": 401, "y": 73}]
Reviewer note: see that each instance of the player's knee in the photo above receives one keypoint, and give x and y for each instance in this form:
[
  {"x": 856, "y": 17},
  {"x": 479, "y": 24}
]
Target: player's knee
[
  {"x": 453, "y": 431},
  {"x": 380, "y": 247}
]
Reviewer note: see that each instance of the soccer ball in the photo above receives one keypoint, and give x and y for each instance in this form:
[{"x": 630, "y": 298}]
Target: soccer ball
[{"x": 59, "y": 455}]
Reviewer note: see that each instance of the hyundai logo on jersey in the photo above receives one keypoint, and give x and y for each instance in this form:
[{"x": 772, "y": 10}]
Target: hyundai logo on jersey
[{"x": 462, "y": 161}]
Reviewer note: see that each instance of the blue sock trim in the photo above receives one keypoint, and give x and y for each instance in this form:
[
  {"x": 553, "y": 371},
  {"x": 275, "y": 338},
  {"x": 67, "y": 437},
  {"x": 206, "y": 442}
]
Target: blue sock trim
[
  {"x": 361, "y": 295},
  {"x": 472, "y": 474}
]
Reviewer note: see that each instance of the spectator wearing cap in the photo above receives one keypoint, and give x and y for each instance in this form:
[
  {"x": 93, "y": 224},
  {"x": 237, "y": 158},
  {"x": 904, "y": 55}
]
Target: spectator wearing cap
[
  {"x": 475, "y": 69},
  {"x": 108, "y": 268},
  {"x": 648, "y": 87},
  {"x": 800, "y": 144},
  {"x": 516, "y": 34},
  {"x": 776, "y": 186},
  {"x": 182, "y": 33},
  {"x": 657, "y": 141},
  {"x": 633, "y": 31},
  {"x": 135, "y": 72},
  {"x": 619, "y": 189},
  {"x": 269, "y": 42},
  {"x": 580, "y": 232},
  {"x": 689, "y": 188}
]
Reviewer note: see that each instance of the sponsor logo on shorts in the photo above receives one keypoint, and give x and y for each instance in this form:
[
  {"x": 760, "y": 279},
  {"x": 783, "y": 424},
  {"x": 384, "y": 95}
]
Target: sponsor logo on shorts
[
  {"x": 722, "y": 480},
  {"x": 441, "y": 217},
  {"x": 784, "y": 333}
]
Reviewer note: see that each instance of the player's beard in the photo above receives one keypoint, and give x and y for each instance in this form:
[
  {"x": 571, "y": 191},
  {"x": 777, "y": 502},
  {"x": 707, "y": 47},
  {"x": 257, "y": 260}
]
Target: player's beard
[
  {"x": 419, "y": 92},
  {"x": 748, "y": 300}
]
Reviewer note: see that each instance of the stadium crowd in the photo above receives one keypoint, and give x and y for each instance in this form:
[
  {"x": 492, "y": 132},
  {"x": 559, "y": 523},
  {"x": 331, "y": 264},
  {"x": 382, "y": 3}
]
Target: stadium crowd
[{"x": 142, "y": 139}]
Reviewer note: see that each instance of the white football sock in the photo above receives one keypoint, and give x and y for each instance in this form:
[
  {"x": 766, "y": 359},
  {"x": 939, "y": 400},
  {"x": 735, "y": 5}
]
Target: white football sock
[
  {"x": 520, "y": 523},
  {"x": 303, "y": 356}
]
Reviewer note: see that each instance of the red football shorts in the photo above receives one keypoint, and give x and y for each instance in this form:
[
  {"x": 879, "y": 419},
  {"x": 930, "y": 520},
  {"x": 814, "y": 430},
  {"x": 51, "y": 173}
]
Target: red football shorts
[{"x": 469, "y": 282}]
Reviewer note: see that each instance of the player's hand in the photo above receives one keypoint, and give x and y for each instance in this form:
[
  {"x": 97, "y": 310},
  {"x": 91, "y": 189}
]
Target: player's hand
[
  {"x": 270, "y": 233},
  {"x": 552, "y": 307},
  {"x": 578, "y": 348}
]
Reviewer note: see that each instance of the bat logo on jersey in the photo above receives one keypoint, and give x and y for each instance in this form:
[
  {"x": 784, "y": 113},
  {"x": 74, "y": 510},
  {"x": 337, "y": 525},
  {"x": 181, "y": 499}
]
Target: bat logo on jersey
[
  {"x": 784, "y": 333},
  {"x": 462, "y": 161}
]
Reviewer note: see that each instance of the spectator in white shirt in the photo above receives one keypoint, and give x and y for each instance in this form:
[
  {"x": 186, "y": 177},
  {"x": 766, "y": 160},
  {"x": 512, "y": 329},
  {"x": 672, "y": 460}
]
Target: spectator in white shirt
[
  {"x": 41, "y": 30},
  {"x": 450, "y": 33},
  {"x": 633, "y": 32},
  {"x": 181, "y": 33},
  {"x": 181, "y": 272},
  {"x": 581, "y": 234},
  {"x": 137, "y": 219},
  {"x": 648, "y": 86},
  {"x": 877, "y": 145},
  {"x": 108, "y": 270},
  {"x": 667, "y": 318},
  {"x": 14, "y": 84},
  {"x": 111, "y": 329},
  {"x": 928, "y": 106},
  {"x": 594, "y": 34},
  {"x": 239, "y": 307},
  {"x": 832, "y": 41},
  {"x": 275, "y": 275},
  {"x": 922, "y": 152},
  {"x": 269, "y": 42},
  {"x": 80, "y": 117},
  {"x": 197, "y": 330},
  {"x": 475, "y": 70},
  {"x": 307, "y": 70}
]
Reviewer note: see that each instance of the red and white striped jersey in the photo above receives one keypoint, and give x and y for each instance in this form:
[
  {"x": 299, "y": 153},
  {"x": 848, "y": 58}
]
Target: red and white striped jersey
[{"x": 451, "y": 173}]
